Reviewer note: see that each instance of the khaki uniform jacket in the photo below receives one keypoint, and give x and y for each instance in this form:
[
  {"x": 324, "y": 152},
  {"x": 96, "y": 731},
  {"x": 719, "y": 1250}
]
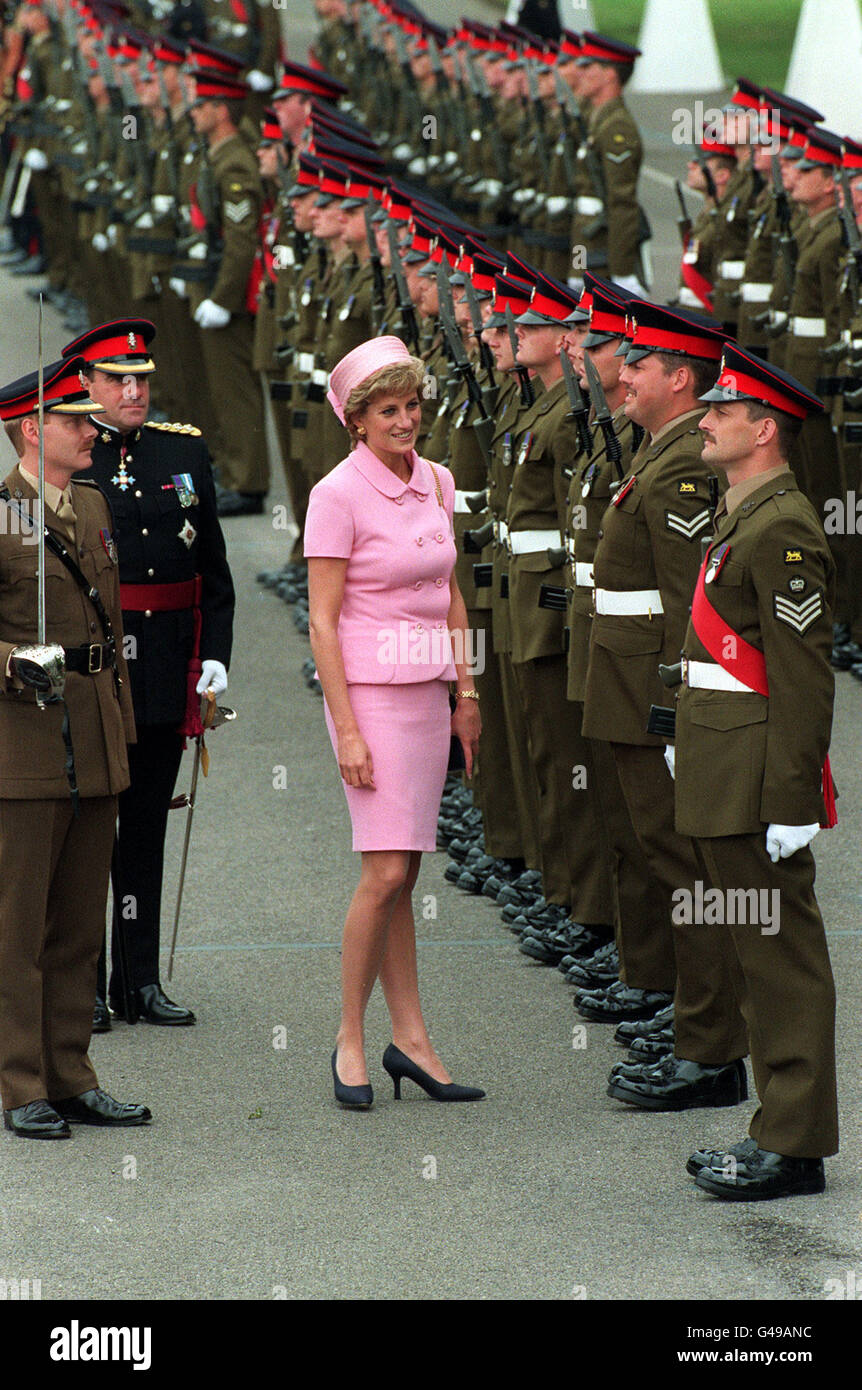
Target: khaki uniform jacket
[
  {"x": 774, "y": 589},
  {"x": 32, "y": 752},
  {"x": 614, "y": 136},
  {"x": 732, "y": 240},
  {"x": 816, "y": 297},
  {"x": 239, "y": 196},
  {"x": 545, "y": 443},
  {"x": 510, "y": 410},
  {"x": 650, "y": 540}
]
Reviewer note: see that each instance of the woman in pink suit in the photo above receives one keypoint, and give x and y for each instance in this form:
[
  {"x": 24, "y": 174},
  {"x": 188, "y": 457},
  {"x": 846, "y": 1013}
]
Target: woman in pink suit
[{"x": 385, "y": 617}]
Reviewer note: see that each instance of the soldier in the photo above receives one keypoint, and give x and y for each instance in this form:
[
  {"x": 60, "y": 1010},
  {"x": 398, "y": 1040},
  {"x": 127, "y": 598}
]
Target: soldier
[
  {"x": 741, "y": 128},
  {"x": 645, "y": 568},
  {"x": 177, "y": 598},
  {"x": 612, "y": 231},
  {"x": 55, "y": 848},
  {"x": 757, "y": 708},
  {"x": 710, "y": 176},
  {"x": 226, "y": 207}
]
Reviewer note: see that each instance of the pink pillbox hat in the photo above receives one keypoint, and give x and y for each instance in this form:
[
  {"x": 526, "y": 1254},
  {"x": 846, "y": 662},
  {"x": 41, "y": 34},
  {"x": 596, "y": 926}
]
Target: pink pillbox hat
[{"x": 359, "y": 364}]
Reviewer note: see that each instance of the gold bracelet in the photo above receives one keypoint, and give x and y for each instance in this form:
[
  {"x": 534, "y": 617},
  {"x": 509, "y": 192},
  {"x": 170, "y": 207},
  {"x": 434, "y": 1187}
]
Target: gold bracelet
[{"x": 466, "y": 694}]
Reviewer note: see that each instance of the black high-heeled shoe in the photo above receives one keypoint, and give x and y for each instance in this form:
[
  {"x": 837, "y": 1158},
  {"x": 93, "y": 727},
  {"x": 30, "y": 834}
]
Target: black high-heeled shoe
[
  {"x": 351, "y": 1097},
  {"x": 399, "y": 1065}
]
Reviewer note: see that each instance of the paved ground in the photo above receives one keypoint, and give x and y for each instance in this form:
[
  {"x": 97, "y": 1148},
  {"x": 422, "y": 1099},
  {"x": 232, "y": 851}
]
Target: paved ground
[{"x": 251, "y": 1184}]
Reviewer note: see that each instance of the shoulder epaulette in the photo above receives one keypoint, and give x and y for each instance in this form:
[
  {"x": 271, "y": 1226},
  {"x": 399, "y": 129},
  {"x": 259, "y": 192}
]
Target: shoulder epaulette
[
  {"x": 86, "y": 482},
  {"x": 172, "y": 426}
]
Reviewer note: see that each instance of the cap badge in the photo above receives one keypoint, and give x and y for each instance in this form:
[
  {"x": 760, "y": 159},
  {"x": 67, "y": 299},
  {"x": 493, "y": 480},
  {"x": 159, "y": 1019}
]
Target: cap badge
[{"x": 132, "y": 341}]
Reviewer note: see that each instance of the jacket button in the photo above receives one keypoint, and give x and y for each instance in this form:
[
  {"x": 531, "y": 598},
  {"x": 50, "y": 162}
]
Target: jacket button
[
  {"x": 399, "y": 500},
  {"x": 151, "y": 573},
  {"x": 438, "y": 582},
  {"x": 601, "y": 533},
  {"x": 145, "y": 531},
  {"x": 440, "y": 536},
  {"x": 148, "y": 613},
  {"x": 92, "y": 627},
  {"x": 418, "y": 540},
  {"x": 418, "y": 584},
  {"x": 138, "y": 492},
  {"x": 419, "y": 627}
]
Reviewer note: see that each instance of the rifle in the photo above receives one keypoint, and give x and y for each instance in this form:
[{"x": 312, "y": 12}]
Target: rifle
[
  {"x": 683, "y": 221},
  {"x": 528, "y": 396},
  {"x": 851, "y": 233},
  {"x": 379, "y": 301},
  {"x": 786, "y": 239},
  {"x": 405, "y": 303},
  {"x": 461, "y": 363},
  {"x": 579, "y": 410},
  {"x": 701, "y": 160},
  {"x": 565, "y": 145},
  {"x": 486, "y": 357},
  {"x": 604, "y": 419},
  {"x": 538, "y": 120},
  {"x": 482, "y": 92}
]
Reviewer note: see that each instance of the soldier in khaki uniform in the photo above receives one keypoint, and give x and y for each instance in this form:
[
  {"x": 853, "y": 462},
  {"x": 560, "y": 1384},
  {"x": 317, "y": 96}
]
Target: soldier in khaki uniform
[
  {"x": 226, "y": 211},
  {"x": 757, "y": 707},
  {"x": 613, "y": 234},
  {"x": 61, "y": 767},
  {"x": 699, "y": 269},
  {"x": 645, "y": 568}
]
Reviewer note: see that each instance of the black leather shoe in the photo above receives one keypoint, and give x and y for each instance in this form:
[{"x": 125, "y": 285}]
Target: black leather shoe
[
  {"x": 239, "y": 503},
  {"x": 36, "y": 1120},
  {"x": 674, "y": 1084},
  {"x": 154, "y": 1006},
  {"x": 845, "y": 656},
  {"x": 101, "y": 1017},
  {"x": 759, "y": 1175},
  {"x": 599, "y": 969},
  {"x": 96, "y": 1107},
  {"x": 704, "y": 1158},
  {"x": 653, "y": 1046},
  {"x": 619, "y": 1002},
  {"x": 627, "y": 1032}
]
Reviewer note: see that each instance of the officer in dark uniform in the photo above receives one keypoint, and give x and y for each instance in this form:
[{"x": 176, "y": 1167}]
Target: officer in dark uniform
[{"x": 178, "y": 602}]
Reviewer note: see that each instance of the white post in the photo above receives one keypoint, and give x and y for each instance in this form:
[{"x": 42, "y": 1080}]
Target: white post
[
  {"x": 826, "y": 62},
  {"x": 679, "y": 49}
]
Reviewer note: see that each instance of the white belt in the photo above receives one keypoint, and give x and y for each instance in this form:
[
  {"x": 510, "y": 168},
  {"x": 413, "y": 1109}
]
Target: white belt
[
  {"x": 706, "y": 675},
  {"x": 304, "y": 362},
  {"x": 529, "y": 542},
  {"x": 590, "y": 207},
  {"x": 320, "y": 376},
  {"x": 628, "y": 603},
  {"x": 557, "y": 204},
  {"x": 756, "y": 292},
  {"x": 461, "y": 501},
  {"x": 584, "y": 575},
  {"x": 732, "y": 270},
  {"x": 807, "y": 328}
]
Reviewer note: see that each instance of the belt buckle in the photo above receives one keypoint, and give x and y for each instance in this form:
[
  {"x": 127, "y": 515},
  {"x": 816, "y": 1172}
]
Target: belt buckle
[{"x": 91, "y": 669}]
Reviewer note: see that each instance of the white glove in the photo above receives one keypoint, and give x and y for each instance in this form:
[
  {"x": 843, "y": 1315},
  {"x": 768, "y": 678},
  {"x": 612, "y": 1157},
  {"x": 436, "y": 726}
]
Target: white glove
[
  {"x": 258, "y": 81},
  {"x": 111, "y": 234},
  {"x": 670, "y": 759},
  {"x": 36, "y": 160},
  {"x": 211, "y": 315},
  {"x": 145, "y": 221},
  {"x": 784, "y": 840},
  {"x": 100, "y": 241},
  {"x": 630, "y": 282},
  {"x": 163, "y": 203},
  {"x": 213, "y": 677},
  {"x": 555, "y": 206}
]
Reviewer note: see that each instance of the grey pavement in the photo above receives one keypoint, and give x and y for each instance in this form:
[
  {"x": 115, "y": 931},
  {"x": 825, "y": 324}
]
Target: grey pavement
[{"x": 251, "y": 1184}]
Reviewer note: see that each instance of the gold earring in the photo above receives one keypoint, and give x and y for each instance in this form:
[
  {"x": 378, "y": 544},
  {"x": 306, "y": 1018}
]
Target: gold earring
[{"x": 361, "y": 432}]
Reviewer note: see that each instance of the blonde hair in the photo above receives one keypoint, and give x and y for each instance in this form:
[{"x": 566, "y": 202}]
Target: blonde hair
[{"x": 397, "y": 380}]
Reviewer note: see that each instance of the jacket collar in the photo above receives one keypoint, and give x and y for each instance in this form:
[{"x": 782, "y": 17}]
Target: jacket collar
[
  {"x": 650, "y": 450},
  {"x": 19, "y": 486},
  {"x": 782, "y": 482},
  {"x": 374, "y": 470}
]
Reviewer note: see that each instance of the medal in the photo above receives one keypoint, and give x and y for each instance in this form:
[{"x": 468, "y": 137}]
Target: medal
[
  {"x": 185, "y": 487},
  {"x": 188, "y": 534},
  {"x": 526, "y": 446},
  {"x": 121, "y": 478},
  {"x": 715, "y": 562},
  {"x": 347, "y": 310},
  {"x": 589, "y": 479},
  {"x": 507, "y": 450},
  {"x": 624, "y": 491},
  {"x": 108, "y": 545}
]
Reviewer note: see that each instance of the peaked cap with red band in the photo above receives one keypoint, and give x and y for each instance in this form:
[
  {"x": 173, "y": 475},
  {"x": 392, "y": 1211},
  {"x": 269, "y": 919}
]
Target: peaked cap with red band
[
  {"x": 510, "y": 293},
  {"x": 216, "y": 86},
  {"x": 745, "y": 377},
  {"x": 297, "y": 78},
  {"x": 657, "y": 328},
  {"x": 62, "y": 390},
  {"x": 117, "y": 347},
  {"x": 206, "y": 56},
  {"x": 822, "y": 150},
  {"x": 597, "y": 48},
  {"x": 607, "y": 310}
]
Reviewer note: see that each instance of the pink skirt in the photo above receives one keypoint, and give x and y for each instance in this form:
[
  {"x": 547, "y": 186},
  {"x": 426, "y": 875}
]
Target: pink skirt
[{"x": 407, "y": 729}]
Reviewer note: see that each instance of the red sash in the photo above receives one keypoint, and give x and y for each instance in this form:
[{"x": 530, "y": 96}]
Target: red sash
[
  {"x": 697, "y": 283},
  {"x": 747, "y": 664},
  {"x": 239, "y": 11},
  {"x": 167, "y": 598},
  {"x": 196, "y": 217}
]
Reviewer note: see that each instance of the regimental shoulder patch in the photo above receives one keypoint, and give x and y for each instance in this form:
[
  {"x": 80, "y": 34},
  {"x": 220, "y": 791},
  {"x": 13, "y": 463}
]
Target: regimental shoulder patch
[
  {"x": 687, "y": 488},
  {"x": 798, "y": 613},
  {"x": 685, "y": 525},
  {"x": 793, "y": 557},
  {"x": 172, "y": 427},
  {"x": 238, "y": 211}
]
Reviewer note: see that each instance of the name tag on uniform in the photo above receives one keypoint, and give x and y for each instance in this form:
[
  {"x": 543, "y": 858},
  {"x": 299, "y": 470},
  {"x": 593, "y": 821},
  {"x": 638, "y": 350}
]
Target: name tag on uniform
[{"x": 184, "y": 484}]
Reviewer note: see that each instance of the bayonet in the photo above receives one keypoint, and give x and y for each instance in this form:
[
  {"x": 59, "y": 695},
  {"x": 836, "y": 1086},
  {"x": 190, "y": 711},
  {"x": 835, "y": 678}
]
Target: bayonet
[
  {"x": 405, "y": 303},
  {"x": 579, "y": 409},
  {"x": 528, "y": 396},
  {"x": 604, "y": 419}
]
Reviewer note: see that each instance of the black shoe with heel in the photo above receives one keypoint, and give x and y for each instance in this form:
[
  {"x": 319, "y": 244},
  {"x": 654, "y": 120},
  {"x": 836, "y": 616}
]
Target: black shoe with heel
[
  {"x": 399, "y": 1065},
  {"x": 351, "y": 1097}
]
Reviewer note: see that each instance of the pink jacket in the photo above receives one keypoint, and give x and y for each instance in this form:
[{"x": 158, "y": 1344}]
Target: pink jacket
[{"x": 400, "y": 551}]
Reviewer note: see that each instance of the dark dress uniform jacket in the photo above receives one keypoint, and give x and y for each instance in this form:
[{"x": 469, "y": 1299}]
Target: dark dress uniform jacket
[
  {"x": 774, "y": 589},
  {"x": 650, "y": 540},
  {"x": 161, "y": 541},
  {"x": 32, "y": 752}
]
